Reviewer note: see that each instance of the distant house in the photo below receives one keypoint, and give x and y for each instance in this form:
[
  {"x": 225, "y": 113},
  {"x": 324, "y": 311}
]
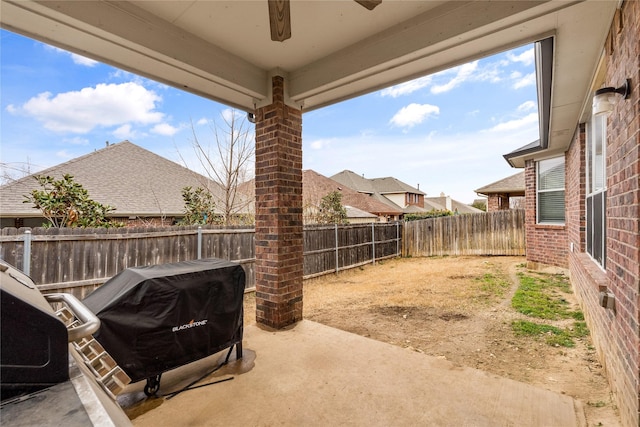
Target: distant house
[
  {"x": 501, "y": 193},
  {"x": 399, "y": 195},
  {"x": 360, "y": 207},
  {"x": 145, "y": 188},
  {"x": 449, "y": 204},
  {"x": 394, "y": 193}
]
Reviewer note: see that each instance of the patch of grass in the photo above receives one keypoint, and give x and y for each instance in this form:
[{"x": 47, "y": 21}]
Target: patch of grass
[
  {"x": 580, "y": 329},
  {"x": 492, "y": 284},
  {"x": 540, "y": 296},
  {"x": 552, "y": 335}
]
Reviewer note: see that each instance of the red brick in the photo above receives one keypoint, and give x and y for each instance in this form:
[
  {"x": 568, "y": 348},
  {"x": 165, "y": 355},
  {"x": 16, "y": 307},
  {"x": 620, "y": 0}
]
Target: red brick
[{"x": 279, "y": 241}]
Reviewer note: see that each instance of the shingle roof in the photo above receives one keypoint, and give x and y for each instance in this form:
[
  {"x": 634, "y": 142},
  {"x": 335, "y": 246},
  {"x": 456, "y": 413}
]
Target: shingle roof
[
  {"x": 316, "y": 186},
  {"x": 433, "y": 205},
  {"x": 390, "y": 184},
  {"x": 462, "y": 208},
  {"x": 378, "y": 187},
  {"x": 456, "y": 206},
  {"x": 134, "y": 180},
  {"x": 354, "y": 181},
  {"x": 513, "y": 185},
  {"x": 358, "y": 213},
  {"x": 384, "y": 185}
]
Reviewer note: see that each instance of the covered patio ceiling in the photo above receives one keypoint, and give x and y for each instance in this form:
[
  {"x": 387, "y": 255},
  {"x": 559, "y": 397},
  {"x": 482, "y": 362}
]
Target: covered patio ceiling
[{"x": 222, "y": 50}]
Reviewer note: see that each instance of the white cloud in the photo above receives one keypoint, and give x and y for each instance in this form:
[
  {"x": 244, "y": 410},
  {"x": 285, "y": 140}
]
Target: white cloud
[
  {"x": 81, "y": 60},
  {"x": 527, "y": 106},
  {"x": 407, "y": 87},
  {"x": 104, "y": 105},
  {"x": 165, "y": 129},
  {"x": 124, "y": 75},
  {"x": 413, "y": 114},
  {"x": 463, "y": 73},
  {"x": 124, "y": 132},
  {"x": 516, "y": 124},
  {"x": 490, "y": 72},
  {"x": 526, "y": 58},
  {"x": 319, "y": 144},
  {"x": 528, "y": 80},
  {"x": 77, "y": 59},
  {"x": 202, "y": 121},
  {"x": 471, "y": 72},
  {"x": 229, "y": 114}
]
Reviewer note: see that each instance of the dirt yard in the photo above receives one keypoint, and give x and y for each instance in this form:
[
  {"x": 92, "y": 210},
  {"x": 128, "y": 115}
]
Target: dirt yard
[{"x": 445, "y": 307}]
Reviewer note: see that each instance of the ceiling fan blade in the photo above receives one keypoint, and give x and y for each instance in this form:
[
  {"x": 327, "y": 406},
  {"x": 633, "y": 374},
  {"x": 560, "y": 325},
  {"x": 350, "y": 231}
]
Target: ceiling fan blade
[
  {"x": 279, "y": 20},
  {"x": 369, "y": 4}
]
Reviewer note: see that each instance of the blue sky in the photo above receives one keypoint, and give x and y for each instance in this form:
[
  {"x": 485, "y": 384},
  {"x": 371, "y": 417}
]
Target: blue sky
[{"x": 445, "y": 132}]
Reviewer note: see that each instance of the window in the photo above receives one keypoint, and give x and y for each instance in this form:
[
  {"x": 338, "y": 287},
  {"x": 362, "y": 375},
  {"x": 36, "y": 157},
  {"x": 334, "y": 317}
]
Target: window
[
  {"x": 550, "y": 175},
  {"x": 596, "y": 188}
]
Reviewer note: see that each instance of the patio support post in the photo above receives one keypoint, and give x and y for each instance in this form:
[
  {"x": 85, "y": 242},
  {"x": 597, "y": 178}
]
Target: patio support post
[{"x": 278, "y": 236}]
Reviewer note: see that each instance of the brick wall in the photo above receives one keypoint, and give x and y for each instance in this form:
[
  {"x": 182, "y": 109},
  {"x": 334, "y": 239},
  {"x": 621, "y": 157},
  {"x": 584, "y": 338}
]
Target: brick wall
[
  {"x": 497, "y": 202},
  {"x": 546, "y": 244},
  {"x": 615, "y": 333},
  {"x": 575, "y": 190},
  {"x": 279, "y": 244}
]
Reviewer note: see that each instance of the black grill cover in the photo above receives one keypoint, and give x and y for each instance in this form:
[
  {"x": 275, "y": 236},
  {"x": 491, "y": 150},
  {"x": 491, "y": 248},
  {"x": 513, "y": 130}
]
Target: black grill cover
[{"x": 160, "y": 317}]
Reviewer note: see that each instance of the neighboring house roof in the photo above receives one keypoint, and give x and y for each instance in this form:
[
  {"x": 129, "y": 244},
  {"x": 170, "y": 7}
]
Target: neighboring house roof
[
  {"x": 513, "y": 185},
  {"x": 389, "y": 185},
  {"x": 135, "y": 181},
  {"x": 316, "y": 186},
  {"x": 354, "y": 181},
  {"x": 414, "y": 209},
  {"x": 432, "y": 205},
  {"x": 358, "y": 213},
  {"x": 448, "y": 203},
  {"x": 386, "y": 185},
  {"x": 463, "y": 208},
  {"x": 378, "y": 187}
]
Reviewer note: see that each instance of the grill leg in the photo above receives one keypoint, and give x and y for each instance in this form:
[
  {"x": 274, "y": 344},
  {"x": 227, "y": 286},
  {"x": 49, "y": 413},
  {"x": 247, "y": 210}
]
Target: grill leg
[
  {"x": 239, "y": 350},
  {"x": 153, "y": 385}
]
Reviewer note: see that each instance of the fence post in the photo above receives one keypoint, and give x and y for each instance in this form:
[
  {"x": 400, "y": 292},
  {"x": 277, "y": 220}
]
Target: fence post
[
  {"x": 199, "y": 242},
  {"x": 397, "y": 238},
  {"x": 26, "y": 256},
  {"x": 373, "y": 243},
  {"x": 336, "y": 233}
]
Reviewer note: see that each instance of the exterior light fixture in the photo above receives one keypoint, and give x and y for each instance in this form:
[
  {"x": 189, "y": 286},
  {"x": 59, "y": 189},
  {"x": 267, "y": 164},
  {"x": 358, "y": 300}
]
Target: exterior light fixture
[{"x": 605, "y": 98}]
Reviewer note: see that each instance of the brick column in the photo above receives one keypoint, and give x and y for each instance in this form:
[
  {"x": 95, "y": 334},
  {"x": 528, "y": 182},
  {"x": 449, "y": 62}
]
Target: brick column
[{"x": 278, "y": 212}]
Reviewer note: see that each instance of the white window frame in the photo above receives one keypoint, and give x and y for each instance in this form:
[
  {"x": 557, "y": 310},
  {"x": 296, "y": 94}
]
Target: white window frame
[
  {"x": 540, "y": 217},
  {"x": 596, "y": 189}
]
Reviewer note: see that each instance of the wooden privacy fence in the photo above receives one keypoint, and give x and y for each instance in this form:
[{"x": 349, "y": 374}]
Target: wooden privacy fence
[
  {"x": 79, "y": 260},
  {"x": 494, "y": 233},
  {"x": 337, "y": 247}
]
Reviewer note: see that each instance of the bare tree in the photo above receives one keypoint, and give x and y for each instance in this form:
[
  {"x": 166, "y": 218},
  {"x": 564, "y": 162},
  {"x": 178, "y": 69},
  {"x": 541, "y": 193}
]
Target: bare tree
[
  {"x": 228, "y": 161},
  {"x": 10, "y": 172},
  {"x": 516, "y": 202}
]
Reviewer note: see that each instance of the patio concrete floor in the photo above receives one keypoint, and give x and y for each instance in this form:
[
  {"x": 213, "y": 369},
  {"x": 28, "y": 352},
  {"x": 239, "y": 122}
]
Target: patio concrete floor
[{"x": 314, "y": 375}]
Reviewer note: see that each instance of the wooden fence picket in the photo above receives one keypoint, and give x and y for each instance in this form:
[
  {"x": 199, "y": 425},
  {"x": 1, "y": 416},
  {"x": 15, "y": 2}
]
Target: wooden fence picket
[{"x": 79, "y": 260}]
